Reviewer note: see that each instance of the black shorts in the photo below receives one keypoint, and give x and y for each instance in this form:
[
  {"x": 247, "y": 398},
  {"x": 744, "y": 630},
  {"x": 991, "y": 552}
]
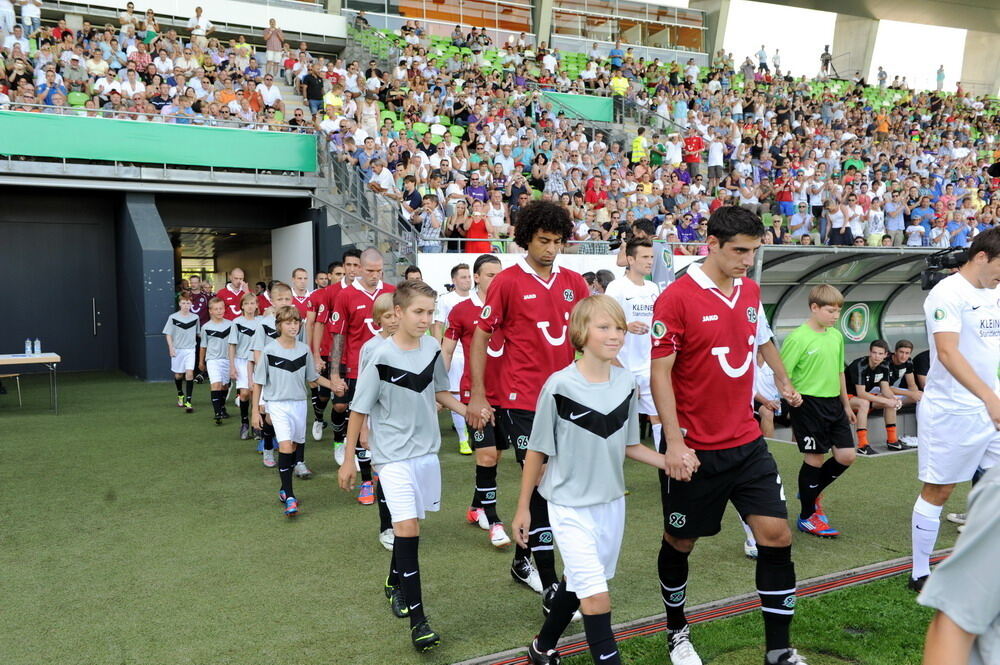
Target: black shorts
[
  {"x": 491, "y": 436},
  {"x": 349, "y": 395},
  {"x": 515, "y": 424},
  {"x": 746, "y": 475},
  {"x": 820, "y": 424},
  {"x": 779, "y": 418}
]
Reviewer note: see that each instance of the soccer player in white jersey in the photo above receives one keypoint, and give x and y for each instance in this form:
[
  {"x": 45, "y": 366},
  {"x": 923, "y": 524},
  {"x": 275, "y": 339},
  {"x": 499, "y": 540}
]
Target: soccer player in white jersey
[
  {"x": 461, "y": 277},
  {"x": 959, "y": 415},
  {"x": 636, "y": 295},
  {"x": 586, "y": 424}
]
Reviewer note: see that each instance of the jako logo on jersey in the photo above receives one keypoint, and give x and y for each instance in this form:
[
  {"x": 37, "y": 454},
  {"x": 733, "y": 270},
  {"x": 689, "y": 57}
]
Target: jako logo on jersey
[
  {"x": 677, "y": 520},
  {"x": 495, "y": 354},
  {"x": 530, "y": 296},
  {"x": 373, "y": 329},
  {"x": 659, "y": 329},
  {"x": 709, "y": 317},
  {"x": 721, "y": 352},
  {"x": 554, "y": 341},
  {"x": 752, "y": 314},
  {"x": 568, "y": 295}
]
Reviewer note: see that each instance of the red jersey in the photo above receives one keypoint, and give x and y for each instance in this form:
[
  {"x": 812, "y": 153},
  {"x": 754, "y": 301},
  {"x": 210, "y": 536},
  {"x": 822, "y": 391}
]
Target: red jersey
[
  {"x": 534, "y": 316},
  {"x": 322, "y": 302},
  {"x": 263, "y": 302},
  {"x": 352, "y": 317},
  {"x": 232, "y": 299},
  {"x": 715, "y": 338},
  {"x": 462, "y": 322},
  {"x": 693, "y": 145},
  {"x": 303, "y": 304}
]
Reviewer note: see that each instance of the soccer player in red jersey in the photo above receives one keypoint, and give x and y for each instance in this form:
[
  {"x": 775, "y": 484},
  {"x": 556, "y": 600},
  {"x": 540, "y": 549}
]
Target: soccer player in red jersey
[
  {"x": 707, "y": 329},
  {"x": 322, "y": 302},
  {"x": 232, "y": 294},
  {"x": 351, "y": 324},
  {"x": 531, "y": 302},
  {"x": 463, "y": 319}
]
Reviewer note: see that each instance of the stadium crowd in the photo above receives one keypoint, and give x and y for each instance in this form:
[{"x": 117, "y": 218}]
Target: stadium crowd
[
  {"x": 461, "y": 140},
  {"x": 139, "y": 70}
]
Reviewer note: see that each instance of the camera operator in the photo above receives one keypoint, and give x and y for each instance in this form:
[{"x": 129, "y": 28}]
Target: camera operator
[{"x": 642, "y": 229}]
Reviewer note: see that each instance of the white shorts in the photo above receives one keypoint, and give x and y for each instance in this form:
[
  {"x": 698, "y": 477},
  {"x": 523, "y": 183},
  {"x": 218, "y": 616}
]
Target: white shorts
[
  {"x": 646, "y": 406},
  {"x": 289, "y": 419},
  {"x": 242, "y": 373},
  {"x": 274, "y": 56},
  {"x": 951, "y": 446},
  {"x": 412, "y": 486},
  {"x": 455, "y": 372},
  {"x": 218, "y": 370},
  {"x": 183, "y": 361},
  {"x": 589, "y": 540}
]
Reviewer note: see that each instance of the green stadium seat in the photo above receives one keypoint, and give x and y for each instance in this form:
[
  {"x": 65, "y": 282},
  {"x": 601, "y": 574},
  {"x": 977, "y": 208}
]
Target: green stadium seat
[
  {"x": 419, "y": 128},
  {"x": 77, "y": 98}
]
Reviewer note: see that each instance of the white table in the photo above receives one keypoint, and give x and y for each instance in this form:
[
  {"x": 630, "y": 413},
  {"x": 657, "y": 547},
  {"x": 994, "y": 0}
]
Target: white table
[{"x": 49, "y": 360}]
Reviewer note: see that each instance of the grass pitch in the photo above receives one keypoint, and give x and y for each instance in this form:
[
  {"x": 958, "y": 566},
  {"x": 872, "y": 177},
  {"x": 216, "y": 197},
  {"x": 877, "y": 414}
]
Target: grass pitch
[{"x": 134, "y": 533}]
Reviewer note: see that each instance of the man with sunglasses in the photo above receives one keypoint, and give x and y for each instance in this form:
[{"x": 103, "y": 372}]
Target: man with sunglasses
[{"x": 270, "y": 93}]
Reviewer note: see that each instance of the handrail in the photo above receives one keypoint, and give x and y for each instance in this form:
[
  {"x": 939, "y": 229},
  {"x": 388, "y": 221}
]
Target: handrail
[{"x": 106, "y": 114}]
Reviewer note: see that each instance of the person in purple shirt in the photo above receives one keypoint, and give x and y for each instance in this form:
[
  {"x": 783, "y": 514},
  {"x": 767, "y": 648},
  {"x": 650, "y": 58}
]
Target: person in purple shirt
[
  {"x": 687, "y": 231},
  {"x": 476, "y": 190}
]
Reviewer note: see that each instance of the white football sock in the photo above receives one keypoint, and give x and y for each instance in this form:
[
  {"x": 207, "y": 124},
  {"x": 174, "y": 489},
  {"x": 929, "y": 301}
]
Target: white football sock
[
  {"x": 460, "y": 429},
  {"x": 923, "y": 532}
]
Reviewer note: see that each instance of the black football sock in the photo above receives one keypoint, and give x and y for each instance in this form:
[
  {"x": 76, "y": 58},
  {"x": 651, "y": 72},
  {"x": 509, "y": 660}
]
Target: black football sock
[
  {"x": 267, "y": 434},
  {"x": 521, "y": 553},
  {"x": 564, "y": 603},
  {"x": 217, "y": 397},
  {"x": 286, "y": 464},
  {"x": 317, "y": 412},
  {"x": 188, "y": 389},
  {"x": 673, "y": 569},
  {"x": 832, "y": 469},
  {"x": 810, "y": 478},
  {"x": 321, "y": 403},
  {"x": 486, "y": 491},
  {"x": 180, "y": 386},
  {"x": 245, "y": 412},
  {"x": 776, "y": 588},
  {"x": 540, "y": 540},
  {"x": 338, "y": 422},
  {"x": 408, "y": 564},
  {"x": 601, "y": 639},
  {"x": 365, "y": 463},
  {"x": 384, "y": 517},
  {"x": 393, "y": 570},
  {"x": 300, "y": 453}
]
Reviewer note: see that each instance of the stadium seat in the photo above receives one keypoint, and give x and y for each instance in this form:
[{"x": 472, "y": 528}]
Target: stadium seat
[{"x": 77, "y": 98}]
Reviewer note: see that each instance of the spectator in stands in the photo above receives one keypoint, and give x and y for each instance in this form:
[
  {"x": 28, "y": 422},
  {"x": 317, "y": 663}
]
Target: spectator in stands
[
  {"x": 274, "y": 40},
  {"x": 200, "y": 28}
]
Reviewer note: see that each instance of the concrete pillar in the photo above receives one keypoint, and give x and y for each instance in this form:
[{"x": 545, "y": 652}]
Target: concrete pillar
[
  {"x": 74, "y": 21},
  {"x": 853, "y": 45},
  {"x": 716, "y": 20},
  {"x": 543, "y": 21},
  {"x": 146, "y": 263},
  {"x": 981, "y": 66}
]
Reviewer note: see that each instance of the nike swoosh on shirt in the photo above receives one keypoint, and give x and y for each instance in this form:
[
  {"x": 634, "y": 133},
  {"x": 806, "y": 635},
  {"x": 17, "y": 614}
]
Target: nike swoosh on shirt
[
  {"x": 410, "y": 574},
  {"x": 574, "y": 416},
  {"x": 809, "y": 353},
  {"x": 397, "y": 378},
  {"x": 609, "y": 655},
  {"x": 975, "y": 307},
  {"x": 812, "y": 487}
]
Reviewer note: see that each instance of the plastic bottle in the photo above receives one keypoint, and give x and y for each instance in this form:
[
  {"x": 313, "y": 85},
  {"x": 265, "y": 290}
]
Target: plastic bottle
[
  {"x": 38, "y": 347},
  {"x": 27, "y": 346}
]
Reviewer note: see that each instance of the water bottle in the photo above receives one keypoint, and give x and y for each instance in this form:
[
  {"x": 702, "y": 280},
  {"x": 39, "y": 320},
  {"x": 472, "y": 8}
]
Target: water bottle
[
  {"x": 27, "y": 346},
  {"x": 38, "y": 347}
]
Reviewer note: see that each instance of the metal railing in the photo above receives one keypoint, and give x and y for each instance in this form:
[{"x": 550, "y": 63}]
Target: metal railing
[{"x": 140, "y": 116}]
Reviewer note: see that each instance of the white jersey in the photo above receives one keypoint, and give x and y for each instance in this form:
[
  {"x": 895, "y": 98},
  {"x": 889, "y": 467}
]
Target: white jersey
[
  {"x": 637, "y": 301},
  {"x": 955, "y": 305},
  {"x": 444, "y": 306}
]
